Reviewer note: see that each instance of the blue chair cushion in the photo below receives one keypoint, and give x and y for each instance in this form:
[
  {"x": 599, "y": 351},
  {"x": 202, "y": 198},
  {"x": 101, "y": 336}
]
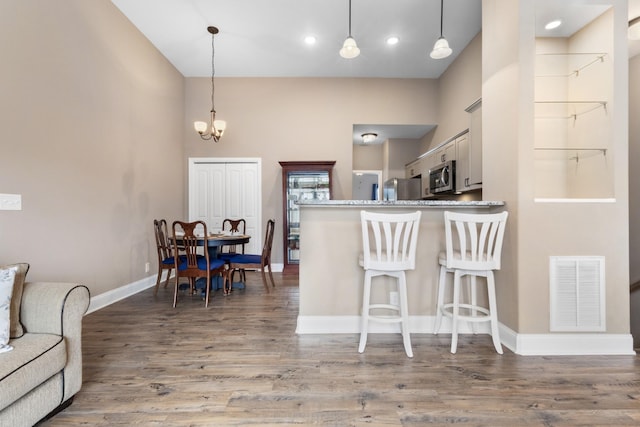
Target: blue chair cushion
[
  {"x": 202, "y": 263},
  {"x": 245, "y": 259},
  {"x": 226, "y": 256},
  {"x": 168, "y": 261}
]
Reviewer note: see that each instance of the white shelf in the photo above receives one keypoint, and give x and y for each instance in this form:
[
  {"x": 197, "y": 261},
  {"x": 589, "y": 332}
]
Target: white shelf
[
  {"x": 584, "y": 60},
  {"x": 574, "y": 154},
  {"x": 567, "y": 109}
]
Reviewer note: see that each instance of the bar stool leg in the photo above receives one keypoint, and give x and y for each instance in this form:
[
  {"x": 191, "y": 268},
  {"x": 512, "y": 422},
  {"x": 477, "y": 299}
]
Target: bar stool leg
[
  {"x": 456, "y": 311},
  {"x": 404, "y": 313},
  {"x": 441, "y": 283},
  {"x": 495, "y": 334},
  {"x": 474, "y": 300},
  {"x": 364, "y": 328}
]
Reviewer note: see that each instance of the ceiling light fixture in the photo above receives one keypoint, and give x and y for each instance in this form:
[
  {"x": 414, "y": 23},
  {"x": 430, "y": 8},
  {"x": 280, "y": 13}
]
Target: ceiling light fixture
[
  {"x": 217, "y": 127},
  {"x": 369, "y": 137},
  {"x": 392, "y": 40},
  {"x": 553, "y": 24},
  {"x": 349, "y": 48},
  {"x": 310, "y": 40},
  {"x": 634, "y": 29},
  {"x": 441, "y": 48}
]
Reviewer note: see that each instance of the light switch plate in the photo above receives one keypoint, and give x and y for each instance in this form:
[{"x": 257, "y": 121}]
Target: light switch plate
[{"x": 10, "y": 202}]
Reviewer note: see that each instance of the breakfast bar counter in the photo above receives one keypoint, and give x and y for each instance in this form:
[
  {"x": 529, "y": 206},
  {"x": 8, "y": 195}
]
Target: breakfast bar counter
[{"x": 331, "y": 280}]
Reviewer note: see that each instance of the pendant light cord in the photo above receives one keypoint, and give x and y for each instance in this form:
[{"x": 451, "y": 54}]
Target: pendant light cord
[
  {"x": 349, "y": 18},
  {"x": 441, "y": 15}
]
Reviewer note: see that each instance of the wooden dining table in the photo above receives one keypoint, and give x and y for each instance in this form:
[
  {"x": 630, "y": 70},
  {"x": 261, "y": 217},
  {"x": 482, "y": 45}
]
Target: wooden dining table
[{"x": 214, "y": 241}]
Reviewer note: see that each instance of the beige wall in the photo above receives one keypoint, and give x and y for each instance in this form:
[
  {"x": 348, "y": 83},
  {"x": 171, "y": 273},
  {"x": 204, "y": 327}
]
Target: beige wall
[
  {"x": 400, "y": 152},
  {"x": 537, "y": 230},
  {"x": 91, "y": 137},
  {"x": 634, "y": 167},
  {"x": 367, "y": 157},
  {"x": 458, "y": 87},
  {"x": 299, "y": 119}
]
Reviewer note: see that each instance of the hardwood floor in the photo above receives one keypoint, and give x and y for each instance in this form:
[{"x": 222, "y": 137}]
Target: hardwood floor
[{"x": 240, "y": 363}]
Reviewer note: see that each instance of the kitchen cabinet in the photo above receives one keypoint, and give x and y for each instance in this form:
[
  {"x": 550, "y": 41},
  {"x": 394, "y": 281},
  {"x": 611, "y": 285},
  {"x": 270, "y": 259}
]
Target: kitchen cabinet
[
  {"x": 428, "y": 161},
  {"x": 303, "y": 180},
  {"x": 445, "y": 153},
  {"x": 469, "y": 152},
  {"x": 413, "y": 169}
]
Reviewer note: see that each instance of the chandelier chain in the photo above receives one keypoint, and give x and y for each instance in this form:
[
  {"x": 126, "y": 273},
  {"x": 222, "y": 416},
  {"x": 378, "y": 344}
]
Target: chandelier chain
[{"x": 213, "y": 72}]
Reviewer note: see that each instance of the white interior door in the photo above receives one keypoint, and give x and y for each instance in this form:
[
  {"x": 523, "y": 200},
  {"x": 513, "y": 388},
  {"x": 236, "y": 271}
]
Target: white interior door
[{"x": 222, "y": 188}]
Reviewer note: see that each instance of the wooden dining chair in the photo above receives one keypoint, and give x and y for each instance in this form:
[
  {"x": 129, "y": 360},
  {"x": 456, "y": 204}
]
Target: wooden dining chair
[
  {"x": 193, "y": 265},
  {"x": 233, "y": 226},
  {"x": 165, "y": 252},
  {"x": 254, "y": 261}
]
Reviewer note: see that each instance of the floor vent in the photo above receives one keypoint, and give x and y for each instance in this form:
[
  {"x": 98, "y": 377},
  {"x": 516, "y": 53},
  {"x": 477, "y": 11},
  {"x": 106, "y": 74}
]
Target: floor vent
[{"x": 577, "y": 294}]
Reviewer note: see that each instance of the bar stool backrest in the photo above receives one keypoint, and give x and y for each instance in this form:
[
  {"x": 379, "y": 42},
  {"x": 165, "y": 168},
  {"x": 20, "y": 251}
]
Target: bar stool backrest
[
  {"x": 389, "y": 240},
  {"x": 478, "y": 240}
]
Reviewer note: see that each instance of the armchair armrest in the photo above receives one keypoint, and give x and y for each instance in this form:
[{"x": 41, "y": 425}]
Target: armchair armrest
[{"x": 58, "y": 308}]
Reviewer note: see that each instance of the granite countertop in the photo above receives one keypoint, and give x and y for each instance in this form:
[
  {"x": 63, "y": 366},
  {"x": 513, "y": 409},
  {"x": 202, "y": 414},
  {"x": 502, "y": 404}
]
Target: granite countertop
[{"x": 402, "y": 203}]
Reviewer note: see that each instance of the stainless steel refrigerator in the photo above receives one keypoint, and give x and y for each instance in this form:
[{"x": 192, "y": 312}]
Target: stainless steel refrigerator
[{"x": 402, "y": 189}]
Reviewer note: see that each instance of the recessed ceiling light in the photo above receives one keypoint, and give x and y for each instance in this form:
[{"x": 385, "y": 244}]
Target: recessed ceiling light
[
  {"x": 553, "y": 24},
  {"x": 392, "y": 40},
  {"x": 310, "y": 40}
]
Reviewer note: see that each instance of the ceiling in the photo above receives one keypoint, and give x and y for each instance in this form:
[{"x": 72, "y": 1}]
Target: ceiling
[{"x": 260, "y": 38}]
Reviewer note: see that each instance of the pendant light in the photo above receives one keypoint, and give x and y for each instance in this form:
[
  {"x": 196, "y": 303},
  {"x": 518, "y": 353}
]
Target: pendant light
[
  {"x": 349, "y": 48},
  {"x": 441, "y": 48},
  {"x": 215, "y": 128}
]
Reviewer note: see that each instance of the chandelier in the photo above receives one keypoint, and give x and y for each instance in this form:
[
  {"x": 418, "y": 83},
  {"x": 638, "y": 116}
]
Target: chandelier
[{"x": 215, "y": 128}]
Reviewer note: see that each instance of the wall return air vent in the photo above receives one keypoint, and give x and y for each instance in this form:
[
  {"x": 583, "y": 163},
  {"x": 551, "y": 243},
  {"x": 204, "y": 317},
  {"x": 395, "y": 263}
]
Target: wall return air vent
[{"x": 577, "y": 288}]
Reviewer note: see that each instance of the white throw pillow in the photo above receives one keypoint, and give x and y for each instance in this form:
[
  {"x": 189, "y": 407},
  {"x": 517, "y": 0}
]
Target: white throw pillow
[{"x": 7, "y": 277}]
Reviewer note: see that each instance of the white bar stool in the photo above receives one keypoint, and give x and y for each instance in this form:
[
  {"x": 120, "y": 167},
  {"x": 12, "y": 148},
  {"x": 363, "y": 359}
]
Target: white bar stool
[
  {"x": 391, "y": 251},
  {"x": 476, "y": 253}
]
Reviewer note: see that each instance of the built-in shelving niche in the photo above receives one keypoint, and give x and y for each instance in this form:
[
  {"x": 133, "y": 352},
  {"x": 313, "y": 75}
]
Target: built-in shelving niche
[{"x": 572, "y": 123}]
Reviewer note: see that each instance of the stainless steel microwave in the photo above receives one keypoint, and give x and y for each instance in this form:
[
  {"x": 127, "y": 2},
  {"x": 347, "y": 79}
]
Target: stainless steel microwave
[{"x": 442, "y": 178}]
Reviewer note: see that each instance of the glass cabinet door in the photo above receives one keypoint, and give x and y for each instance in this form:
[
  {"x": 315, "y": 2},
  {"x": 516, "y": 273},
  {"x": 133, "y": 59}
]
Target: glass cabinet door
[{"x": 301, "y": 181}]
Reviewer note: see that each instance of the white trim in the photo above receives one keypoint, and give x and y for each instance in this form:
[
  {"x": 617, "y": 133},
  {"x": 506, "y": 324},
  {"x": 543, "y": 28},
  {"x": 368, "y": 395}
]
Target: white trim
[
  {"x": 194, "y": 160},
  {"x": 555, "y": 344},
  {"x": 117, "y": 294},
  {"x": 574, "y": 344}
]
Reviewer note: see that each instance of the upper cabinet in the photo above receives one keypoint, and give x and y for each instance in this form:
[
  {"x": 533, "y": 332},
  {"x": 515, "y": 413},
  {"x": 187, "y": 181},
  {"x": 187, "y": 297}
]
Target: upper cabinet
[
  {"x": 469, "y": 152},
  {"x": 414, "y": 168}
]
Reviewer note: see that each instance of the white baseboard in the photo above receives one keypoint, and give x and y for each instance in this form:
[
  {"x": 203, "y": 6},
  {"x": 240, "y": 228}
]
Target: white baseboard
[
  {"x": 574, "y": 344},
  {"x": 522, "y": 344},
  {"x": 114, "y": 295}
]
